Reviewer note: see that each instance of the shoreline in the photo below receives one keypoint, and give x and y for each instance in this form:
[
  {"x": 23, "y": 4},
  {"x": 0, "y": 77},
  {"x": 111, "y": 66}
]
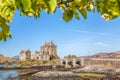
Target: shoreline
[{"x": 27, "y": 73}]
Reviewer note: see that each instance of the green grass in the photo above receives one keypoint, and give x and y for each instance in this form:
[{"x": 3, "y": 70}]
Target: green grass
[
  {"x": 90, "y": 75},
  {"x": 34, "y": 62}
]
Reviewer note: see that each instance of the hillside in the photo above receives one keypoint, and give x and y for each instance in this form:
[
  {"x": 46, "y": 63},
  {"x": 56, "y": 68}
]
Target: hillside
[
  {"x": 16, "y": 57},
  {"x": 111, "y": 55},
  {"x": 5, "y": 59}
]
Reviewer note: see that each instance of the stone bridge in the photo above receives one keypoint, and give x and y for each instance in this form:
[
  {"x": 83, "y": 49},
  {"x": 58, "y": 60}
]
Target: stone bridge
[
  {"x": 72, "y": 62},
  {"x": 78, "y": 62}
]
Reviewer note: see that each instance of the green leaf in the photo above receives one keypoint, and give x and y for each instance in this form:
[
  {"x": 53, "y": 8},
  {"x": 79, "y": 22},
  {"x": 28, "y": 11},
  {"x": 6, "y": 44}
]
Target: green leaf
[
  {"x": 51, "y": 5},
  {"x": 108, "y": 12},
  {"x": 5, "y": 30},
  {"x": 76, "y": 15},
  {"x": 83, "y": 13},
  {"x": 68, "y": 15},
  {"x": 7, "y": 9},
  {"x": 21, "y": 13},
  {"x": 26, "y": 5},
  {"x": 36, "y": 8}
]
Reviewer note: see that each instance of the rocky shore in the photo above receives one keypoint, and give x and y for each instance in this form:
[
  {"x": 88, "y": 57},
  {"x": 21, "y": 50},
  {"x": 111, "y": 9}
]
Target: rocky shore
[
  {"x": 61, "y": 75},
  {"x": 55, "y": 75},
  {"x": 97, "y": 69},
  {"x": 27, "y": 74},
  {"x": 49, "y": 73}
]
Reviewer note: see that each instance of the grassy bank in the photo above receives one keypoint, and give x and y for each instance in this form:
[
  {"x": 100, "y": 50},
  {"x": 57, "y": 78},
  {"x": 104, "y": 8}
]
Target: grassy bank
[
  {"x": 90, "y": 75},
  {"x": 24, "y": 72},
  {"x": 34, "y": 63}
]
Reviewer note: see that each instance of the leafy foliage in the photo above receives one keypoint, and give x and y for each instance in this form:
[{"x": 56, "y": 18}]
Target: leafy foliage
[
  {"x": 109, "y": 9},
  {"x": 7, "y": 9},
  {"x": 68, "y": 15},
  {"x": 70, "y": 56},
  {"x": 54, "y": 57},
  {"x": 5, "y": 30}
]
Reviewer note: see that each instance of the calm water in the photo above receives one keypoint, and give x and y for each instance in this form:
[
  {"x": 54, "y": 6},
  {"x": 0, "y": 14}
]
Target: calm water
[
  {"x": 12, "y": 64},
  {"x": 8, "y": 75},
  {"x": 2, "y": 65}
]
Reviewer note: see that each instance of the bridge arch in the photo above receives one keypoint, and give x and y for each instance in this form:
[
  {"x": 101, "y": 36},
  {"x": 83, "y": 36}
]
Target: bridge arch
[
  {"x": 63, "y": 63},
  {"x": 76, "y": 62},
  {"x": 70, "y": 63}
]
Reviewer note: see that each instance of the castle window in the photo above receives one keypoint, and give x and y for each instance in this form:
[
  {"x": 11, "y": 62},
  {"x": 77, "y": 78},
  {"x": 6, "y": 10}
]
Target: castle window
[
  {"x": 37, "y": 58},
  {"x": 47, "y": 52}
]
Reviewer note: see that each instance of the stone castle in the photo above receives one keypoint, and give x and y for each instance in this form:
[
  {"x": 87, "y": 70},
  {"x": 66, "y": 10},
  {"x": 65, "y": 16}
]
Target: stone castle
[{"x": 48, "y": 51}]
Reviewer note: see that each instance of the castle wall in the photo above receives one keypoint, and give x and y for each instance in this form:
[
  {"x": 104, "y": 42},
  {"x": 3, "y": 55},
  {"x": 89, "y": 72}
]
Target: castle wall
[
  {"x": 46, "y": 51},
  {"x": 25, "y": 55},
  {"x": 22, "y": 56},
  {"x": 106, "y": 62}
]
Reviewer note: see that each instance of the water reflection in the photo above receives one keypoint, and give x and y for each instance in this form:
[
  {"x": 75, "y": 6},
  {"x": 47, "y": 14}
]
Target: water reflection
[
  {"x": 11, "y": 64},
  {"x": 2, "y": 65},
  {"x": 8, "y": 75}
]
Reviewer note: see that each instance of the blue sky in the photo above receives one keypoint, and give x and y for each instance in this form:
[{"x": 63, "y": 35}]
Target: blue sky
[{"x": 83, "y": 37}]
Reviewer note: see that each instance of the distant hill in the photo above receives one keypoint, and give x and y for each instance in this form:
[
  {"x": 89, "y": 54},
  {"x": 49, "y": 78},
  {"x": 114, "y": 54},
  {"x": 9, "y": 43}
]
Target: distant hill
[
  {"x": 5, "y": 58},
  {"x": 16, "y": 57},
  {"x": 1, "y": 55},
  {"x": 111, "y": 55}
]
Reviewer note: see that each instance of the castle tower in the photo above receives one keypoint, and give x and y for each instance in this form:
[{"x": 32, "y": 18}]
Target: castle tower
[
  {"x": 49, "y": 48},
  {"x": 25, "y": 55}
]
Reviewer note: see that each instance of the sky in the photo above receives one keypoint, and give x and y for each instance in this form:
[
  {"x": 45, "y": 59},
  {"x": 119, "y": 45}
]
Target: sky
[{"x": 79, "y": 37}]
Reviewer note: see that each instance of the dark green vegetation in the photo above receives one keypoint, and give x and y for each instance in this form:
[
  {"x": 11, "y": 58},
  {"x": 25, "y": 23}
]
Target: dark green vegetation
[
  {"x": 54, "y": 57},
  {"x": 70, "y": 56},
  {"x": 109, "y": 9}
]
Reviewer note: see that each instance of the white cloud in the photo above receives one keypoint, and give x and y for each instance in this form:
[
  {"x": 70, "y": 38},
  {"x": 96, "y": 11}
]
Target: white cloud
[
  {"x": 100, "y": 44},
  {"x": 82, "y": 31}
]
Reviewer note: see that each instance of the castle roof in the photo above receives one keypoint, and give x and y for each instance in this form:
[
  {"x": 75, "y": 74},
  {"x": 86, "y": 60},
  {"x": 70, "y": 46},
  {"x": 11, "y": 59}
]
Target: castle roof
[
  {"x": 24, "y": 51},
  {"x": 48, "y": 44}
]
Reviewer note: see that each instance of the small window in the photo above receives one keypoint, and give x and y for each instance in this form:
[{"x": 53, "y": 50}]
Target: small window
[{"x": 37, "y": 58}]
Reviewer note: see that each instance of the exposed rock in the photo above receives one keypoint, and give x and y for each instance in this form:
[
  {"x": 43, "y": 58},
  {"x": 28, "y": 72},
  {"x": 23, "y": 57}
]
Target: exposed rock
[
  {"x": 59, "y": 75},
  {"x": 95, "y": 69},
  {"x": 55, "y": 75}
]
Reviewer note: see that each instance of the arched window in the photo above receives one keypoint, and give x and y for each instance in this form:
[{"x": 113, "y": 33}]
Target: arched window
[
  {"x": 37, "y": 58},
  {"x": 48, "y": 52}
]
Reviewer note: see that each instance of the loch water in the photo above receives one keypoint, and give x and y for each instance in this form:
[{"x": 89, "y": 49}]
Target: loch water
[
  {"x": 8, "y": 75},
  {"x": 11, "y": 64}
]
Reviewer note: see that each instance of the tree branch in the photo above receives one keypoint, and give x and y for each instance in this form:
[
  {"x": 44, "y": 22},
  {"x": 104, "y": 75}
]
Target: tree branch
[{"x": 64, "y": 2}]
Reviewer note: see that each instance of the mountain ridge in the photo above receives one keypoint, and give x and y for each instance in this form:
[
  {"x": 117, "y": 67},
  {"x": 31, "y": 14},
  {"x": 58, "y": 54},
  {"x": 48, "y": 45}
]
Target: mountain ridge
[{"x": 111, "y": 55}]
